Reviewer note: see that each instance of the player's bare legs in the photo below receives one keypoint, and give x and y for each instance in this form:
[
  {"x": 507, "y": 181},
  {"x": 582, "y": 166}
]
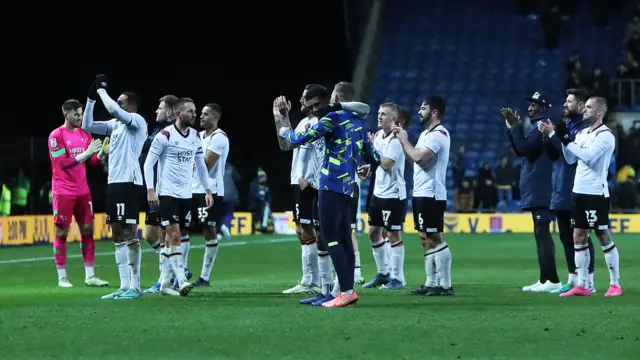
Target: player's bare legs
[
  {"x": 173, "y": 261},
  {"x": 437, "y": 266},
  {"x": 210, "y": 254},
  {"x": 582, "y": 258},
  {"x": 88, "y": 249}
]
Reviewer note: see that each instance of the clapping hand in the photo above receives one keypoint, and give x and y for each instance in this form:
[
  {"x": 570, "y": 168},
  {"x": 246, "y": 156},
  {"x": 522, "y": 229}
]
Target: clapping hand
[{"x": 510, "y": 117}]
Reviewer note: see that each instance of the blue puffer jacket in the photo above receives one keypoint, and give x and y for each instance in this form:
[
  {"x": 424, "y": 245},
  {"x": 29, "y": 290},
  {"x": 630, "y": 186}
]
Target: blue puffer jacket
[
  {"x": 563, "y": 172},
  {"x": 535, "y": 176}
]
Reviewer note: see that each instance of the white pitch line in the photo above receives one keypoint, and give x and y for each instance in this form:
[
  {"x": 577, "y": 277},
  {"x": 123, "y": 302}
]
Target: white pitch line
[{"x": 232, "y": 243}]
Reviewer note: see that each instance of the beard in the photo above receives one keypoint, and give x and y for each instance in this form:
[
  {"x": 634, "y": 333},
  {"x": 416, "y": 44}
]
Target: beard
[{"x": 425, "y": 119}]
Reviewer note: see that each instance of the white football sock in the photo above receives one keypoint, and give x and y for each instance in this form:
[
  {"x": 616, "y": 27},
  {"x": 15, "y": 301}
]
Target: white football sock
[
  {"x": 397, "y": 261},
  {"x": 134, "y": 258},
  {"x": 306, "y": 273},
  {"x": 161, "y": 258},
  {"x": 165, "y": 269},
  {"x": 387, "y": 254},
  {"x": 123, "y": 265},
  {"x": 612, "y": 258},
  {"x": 156, "y": 246},
  {"x": 225, "y": 231},
  {"x": 324, "y": 270},
  {"x": 210, "y": 253},
  {"x": 573, "y": 278},
  {"x": 380, "y": 257},
  {"x": 312, "y": 259},
  {"x": 430, "y": 269},
  {"x": 177, "y": 264},
  {"x": 591, "y": 280},
  {"x": 357, "y": 272},
  {"x": 89, "y": 272},
  {"x": 442, "y": 255},
  {"x": 582, "y": 258},
  {"x": 62, "y": 272},
  {"x": 336, "y": 287},
  {"x": 185, "y": 246}
]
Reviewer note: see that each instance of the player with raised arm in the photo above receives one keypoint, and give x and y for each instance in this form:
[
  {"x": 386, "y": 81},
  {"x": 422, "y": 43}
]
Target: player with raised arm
[
  {"x": 316, "y": 267},
  {"x": 178, "y": 149},
  {"x": 128, "y": 132},
  {"x": 215, "y": 145},
  {"x": 69, "y": 148},
  {"x": 154, "y": 233},
  {"x": 431, "y": 158},
  {"x": 386, "y": 210},
  {"x": 346, "y": 144},
  {"x": 592, "y": 149}
]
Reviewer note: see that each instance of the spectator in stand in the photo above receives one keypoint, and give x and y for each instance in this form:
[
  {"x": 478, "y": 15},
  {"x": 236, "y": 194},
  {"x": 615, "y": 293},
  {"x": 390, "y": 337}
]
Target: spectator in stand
[
  {"x": 458, "y": 166},
  {"x": 463, "y": 197},
  {"x": 505, "y": 179},
  {"x": 486, "y": 191},
  {"x": 627, "y": 192}
]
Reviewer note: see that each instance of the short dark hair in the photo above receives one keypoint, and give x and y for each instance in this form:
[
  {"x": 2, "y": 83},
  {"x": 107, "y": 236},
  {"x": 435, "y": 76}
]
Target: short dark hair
[
  {"x": 436, "y": 103},
  {"x": 345, "y": 90},
  {"x": 182, "y": 101},
  {"x": 308, "y": 86},
  {"x": 316, "y": 90},
  {"x": 215, "y": 107},
  {"x": 132, "y": 98},
  {"x": 169, "y": 100},
  {"x": 404, "y": 117},
  {"x": 582, "y": 95},
  {"x": 70, "y": 105}
]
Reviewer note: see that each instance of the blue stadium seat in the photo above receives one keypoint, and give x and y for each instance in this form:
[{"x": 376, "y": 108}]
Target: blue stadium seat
[{"x": 491, "y": 59}]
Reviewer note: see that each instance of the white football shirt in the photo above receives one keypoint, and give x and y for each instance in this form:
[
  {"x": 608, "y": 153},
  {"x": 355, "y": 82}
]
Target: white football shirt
[
  {"x": 430, "y": 178},
  {"x": 592, "y": 149},
  {"x": 177, "y": 156},
  {"x": 310, "y": 157},
  {"x": 218, "y": 143},
  {"x": 302, "y": 126},
  {"x": 127, "y": 137},
  {"x": 390, "y": 184}
]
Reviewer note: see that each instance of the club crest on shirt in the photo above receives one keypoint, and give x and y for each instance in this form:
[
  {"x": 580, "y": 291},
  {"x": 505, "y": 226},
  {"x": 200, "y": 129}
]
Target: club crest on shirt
[
  {"x": 307, "y": 127},
  {"x": 54, "y": 143}
]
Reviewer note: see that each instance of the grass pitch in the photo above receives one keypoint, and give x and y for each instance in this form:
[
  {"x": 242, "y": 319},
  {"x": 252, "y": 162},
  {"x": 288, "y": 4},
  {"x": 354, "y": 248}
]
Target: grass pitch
[{"x": 245, "y": 316}]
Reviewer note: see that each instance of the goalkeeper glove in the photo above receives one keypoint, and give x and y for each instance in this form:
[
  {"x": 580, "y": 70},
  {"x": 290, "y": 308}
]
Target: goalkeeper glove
[
  {"x": 104, "y": 150},
  {"x": 93, "y": 148}
]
